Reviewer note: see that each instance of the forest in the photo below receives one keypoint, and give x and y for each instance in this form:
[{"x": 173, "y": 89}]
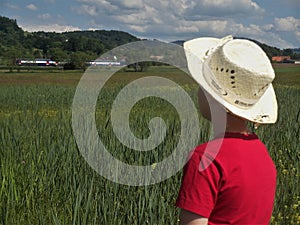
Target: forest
[{"x": 72, "y": 48}]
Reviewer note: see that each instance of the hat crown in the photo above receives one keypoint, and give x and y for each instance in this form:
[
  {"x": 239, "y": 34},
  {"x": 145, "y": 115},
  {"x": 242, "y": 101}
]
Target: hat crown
[{"x": 239, "y": 71}]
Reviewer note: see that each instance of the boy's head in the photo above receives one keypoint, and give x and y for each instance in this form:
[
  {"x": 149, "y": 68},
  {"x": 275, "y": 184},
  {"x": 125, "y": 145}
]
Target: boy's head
[{"x": 236, "y": 74}]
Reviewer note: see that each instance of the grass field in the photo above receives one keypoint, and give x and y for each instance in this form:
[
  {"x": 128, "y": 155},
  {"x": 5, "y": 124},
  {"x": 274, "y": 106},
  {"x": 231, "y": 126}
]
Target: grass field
[{"x": 45, "y": 180}]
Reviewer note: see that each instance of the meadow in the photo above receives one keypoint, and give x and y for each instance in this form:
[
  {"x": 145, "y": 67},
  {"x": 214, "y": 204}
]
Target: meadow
[{"x": 45, "y": 179}]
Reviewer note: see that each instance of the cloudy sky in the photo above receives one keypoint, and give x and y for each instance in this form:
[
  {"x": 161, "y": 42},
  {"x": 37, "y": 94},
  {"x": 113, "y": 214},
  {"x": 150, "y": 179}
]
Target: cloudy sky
[{"x": 274, "y": 22}]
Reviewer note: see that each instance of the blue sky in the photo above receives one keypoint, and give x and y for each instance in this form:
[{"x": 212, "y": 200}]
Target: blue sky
[{"x": 274, "y": 22}]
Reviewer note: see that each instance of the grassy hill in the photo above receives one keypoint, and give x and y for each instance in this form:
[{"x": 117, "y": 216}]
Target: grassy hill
[{"x": 16, "y": 43}]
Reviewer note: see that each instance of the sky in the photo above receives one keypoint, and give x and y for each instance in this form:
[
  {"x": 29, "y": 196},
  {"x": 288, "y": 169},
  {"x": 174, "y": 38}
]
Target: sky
[{"x": 273, "y": 22}]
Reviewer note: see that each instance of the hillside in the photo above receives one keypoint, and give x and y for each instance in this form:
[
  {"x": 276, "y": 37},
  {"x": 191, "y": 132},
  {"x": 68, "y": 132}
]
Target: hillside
[
  {"x": 74, "y": 47},
  {"x": 16, "y": 43}
]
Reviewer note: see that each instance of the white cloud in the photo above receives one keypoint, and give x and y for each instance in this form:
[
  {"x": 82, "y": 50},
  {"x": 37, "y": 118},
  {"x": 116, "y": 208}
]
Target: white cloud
[
  {"x": 217, "y": 27},
  {"x": 166, "y": 11},
  {"x": 102, "y": 7},
  {"x": 290, "y": 26},
  {"x": 287, "y": 24},
  {"x": 148, "y": 16},
  {"x": 184, "y": 19},
  {"x": 297, "y": 33},
  {"x": 49, "y": 28},
  {"x": 251, "y": 30},
  {"x": 93, "y": 25},
  {"x": 258, "y": 33},
  {"x": 89, "y": 10},
  {"x": 268, "y": 27},
  {"x": 44, "y": 16},
  {"x": 139, "y": 29},
  {"x": 32, "y": 7},
  {"x": 183, "y": 8},
  {"x": 236, "y": 5},
  {"x": 221, "y": 8}
]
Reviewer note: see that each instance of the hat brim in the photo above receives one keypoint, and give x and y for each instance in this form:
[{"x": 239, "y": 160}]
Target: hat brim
[{"x": 264, "y": 111}]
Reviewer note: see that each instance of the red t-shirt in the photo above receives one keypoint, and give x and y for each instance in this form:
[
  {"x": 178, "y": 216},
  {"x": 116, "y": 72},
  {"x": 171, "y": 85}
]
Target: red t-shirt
[{"x": 237, "y": 187}]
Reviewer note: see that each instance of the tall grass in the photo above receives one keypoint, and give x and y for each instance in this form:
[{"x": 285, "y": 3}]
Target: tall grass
[
  {"x": 283, "y": 141},
  {"x": 45, "y": 180}
]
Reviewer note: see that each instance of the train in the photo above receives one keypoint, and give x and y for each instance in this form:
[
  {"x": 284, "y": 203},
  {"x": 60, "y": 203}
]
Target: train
[
  {"x": 106, "y": 63},
  {"x": 49, "y": 62},
  {"x": 36, "y": 62}
]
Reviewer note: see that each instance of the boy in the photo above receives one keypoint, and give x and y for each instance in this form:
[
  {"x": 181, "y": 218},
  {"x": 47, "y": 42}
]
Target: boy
[{"x": 230, "y": 179}]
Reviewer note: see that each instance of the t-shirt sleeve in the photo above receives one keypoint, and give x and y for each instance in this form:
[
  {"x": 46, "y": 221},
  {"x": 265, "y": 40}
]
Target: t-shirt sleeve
[{"x": 199, "y": 189}]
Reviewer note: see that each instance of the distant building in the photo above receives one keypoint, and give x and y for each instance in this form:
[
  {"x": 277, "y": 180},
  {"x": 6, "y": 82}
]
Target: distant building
[{"x": 280, "y": 59}]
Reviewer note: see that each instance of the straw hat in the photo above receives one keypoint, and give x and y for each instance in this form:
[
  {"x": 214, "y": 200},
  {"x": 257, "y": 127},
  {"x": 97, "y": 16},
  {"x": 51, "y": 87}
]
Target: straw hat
[{"x": 235, "y": 72}]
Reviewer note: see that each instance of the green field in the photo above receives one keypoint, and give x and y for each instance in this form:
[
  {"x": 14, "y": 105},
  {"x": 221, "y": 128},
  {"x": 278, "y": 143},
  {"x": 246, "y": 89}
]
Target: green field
[{"x": 45, "y": 180}]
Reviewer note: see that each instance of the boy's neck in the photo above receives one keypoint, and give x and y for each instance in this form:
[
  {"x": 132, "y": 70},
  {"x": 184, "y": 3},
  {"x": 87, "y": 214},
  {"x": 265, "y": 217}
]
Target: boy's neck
[{"x": 234, "y": 124}]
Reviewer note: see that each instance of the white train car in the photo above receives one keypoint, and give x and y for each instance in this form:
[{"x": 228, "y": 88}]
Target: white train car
[
  {"x": 105, "y": 63},
  {"x": 36, "y": 62}
]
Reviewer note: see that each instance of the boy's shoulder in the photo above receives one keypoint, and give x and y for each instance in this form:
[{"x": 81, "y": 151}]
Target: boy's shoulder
[{"x": 224, "y": 145}]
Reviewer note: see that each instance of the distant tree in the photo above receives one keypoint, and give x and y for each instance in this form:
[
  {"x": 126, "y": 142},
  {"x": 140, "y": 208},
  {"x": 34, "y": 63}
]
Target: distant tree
[
  {"x": 94, "y": 45},
  {"x": 38, "y": 53},
  {"x": 295, "y": 55},
  {"x": 74, "y": 44},
  {"x": 58, "y": 55},
  {"x": 140, "y": 66},
  {"x": 40, "y": 40},
  {"x": 270, "y": 51},
  {"x": 10, "y": 33},
  {"x": 56, "y": 44},
  {"x": 145, "y": 65},
  {"x": 79, "y": 59},
  {"x": 12, "y": 54},
  {"x": 287, "y": 52}
]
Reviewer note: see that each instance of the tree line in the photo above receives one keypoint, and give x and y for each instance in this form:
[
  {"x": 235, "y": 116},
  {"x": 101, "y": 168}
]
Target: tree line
[{"x": 72, "y": 48}]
